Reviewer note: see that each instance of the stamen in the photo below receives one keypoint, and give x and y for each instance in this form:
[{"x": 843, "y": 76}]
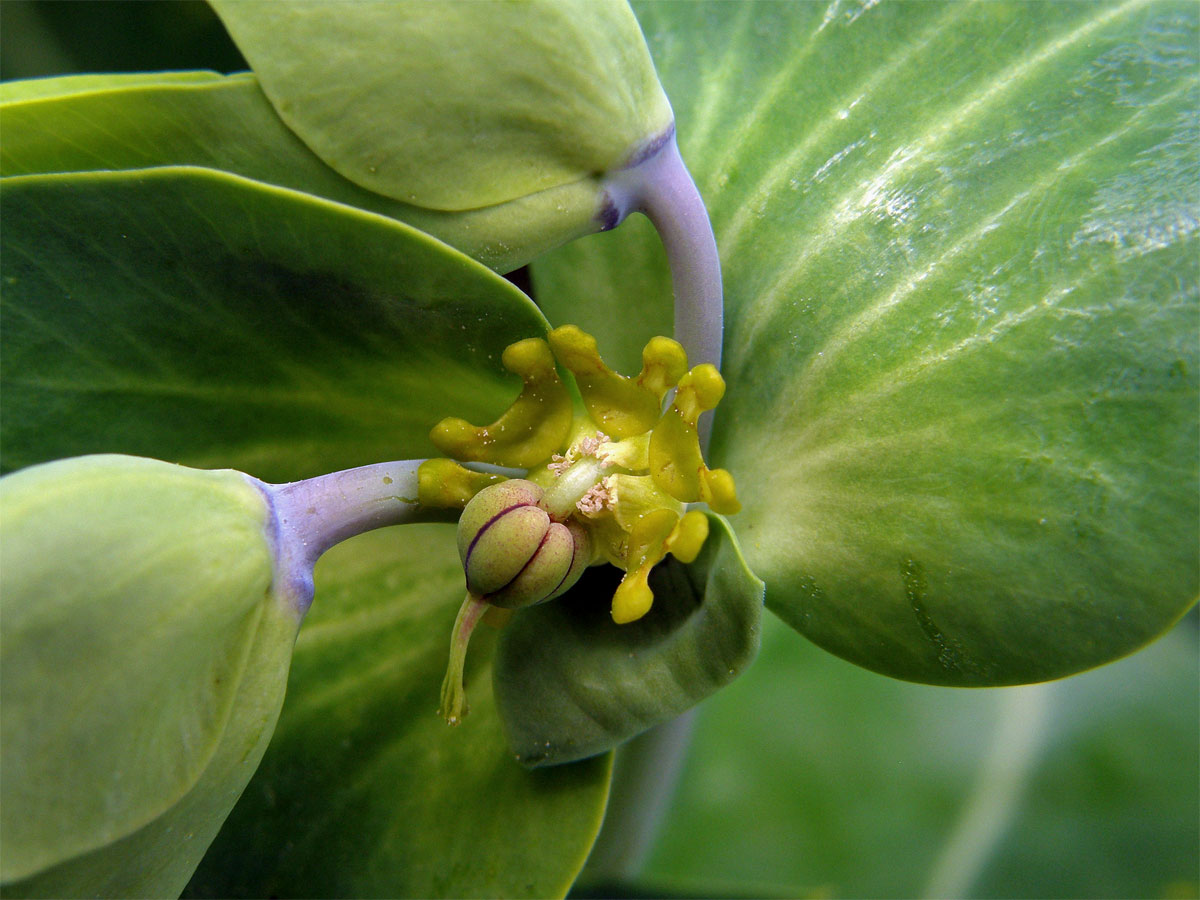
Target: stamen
[
  {"x": 590, "y": 445},
  {"x": 595, "y": 500},
  {"x": 571, "y": 485}
]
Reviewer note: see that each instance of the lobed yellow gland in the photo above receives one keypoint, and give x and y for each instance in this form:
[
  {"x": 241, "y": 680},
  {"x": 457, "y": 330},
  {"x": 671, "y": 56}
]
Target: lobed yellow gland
[
  {"x": 444, "y": 483},
  {"x": 687, "y": 539},
  {"x": 634, "y": 496},
  {"x": 676, "y": 462},
  {"x": 719, "y": 492},
  {"x": 647, "y": 540},
  {"x": 664, "y": 362},
  {"x": 652, "y": 537},
  {"x": 534, "y": 427},
  {"x": 620, "y": 406}
]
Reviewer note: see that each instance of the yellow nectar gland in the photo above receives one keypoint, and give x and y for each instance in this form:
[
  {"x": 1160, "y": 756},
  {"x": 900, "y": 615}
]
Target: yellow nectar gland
[{"x": 609, "y": 476}]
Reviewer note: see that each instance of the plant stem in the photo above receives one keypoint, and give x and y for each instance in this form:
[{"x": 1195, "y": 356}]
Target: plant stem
[
  {"x": 312, "y": 515},
  {"x": 657, "y": 183},
  {"x": 1025, "y": 714},
  {"x": 645, "y": 775},
  {"x": 454, "y": 693}
]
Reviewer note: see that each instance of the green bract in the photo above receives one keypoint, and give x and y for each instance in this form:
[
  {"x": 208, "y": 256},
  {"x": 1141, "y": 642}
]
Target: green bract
[
  {"x": 144, "y": 662},
  {"x": 457, "y": 106},
  {"x": 962, "y": 306},
  {"x": 131, "y": 122}
]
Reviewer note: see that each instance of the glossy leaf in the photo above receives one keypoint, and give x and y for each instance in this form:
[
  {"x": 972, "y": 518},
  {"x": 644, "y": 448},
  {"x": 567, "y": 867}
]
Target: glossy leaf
[
  {"x": 456, "y": 106},
  {"x": 101, "y": 122},
  {"x": 28, "y": 89},
  {"x": 645, "y": 289},
  {"x": 570, "y": 683},
  {"x": 861, "y": 787},
  {"x": 961, "y": 308},
  {"x": 202, "y": 318},
  {"x": 365, "y": 791},
  {"x": 144, "y": 661}
]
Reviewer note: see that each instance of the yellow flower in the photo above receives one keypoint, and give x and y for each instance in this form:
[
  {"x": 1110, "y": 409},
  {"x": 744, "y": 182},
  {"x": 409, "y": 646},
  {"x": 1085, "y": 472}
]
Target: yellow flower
[{"x": 608, "y": 469}]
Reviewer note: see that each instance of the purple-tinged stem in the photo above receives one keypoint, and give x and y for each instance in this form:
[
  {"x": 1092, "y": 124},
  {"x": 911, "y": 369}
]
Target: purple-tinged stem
[
  {"x": 657, "y": 183},
  {"x": 312, "y": 515}
]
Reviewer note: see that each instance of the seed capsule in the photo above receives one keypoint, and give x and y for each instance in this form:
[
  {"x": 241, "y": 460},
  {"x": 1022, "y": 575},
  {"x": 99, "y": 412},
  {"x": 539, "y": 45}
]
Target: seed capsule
[{"x": 513, "y": 554}]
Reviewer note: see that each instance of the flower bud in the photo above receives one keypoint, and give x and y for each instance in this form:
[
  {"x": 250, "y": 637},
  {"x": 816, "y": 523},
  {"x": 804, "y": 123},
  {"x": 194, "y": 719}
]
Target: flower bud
[
  {"x": 144, "y": 657},
  {"x": 513, "y": 554}
]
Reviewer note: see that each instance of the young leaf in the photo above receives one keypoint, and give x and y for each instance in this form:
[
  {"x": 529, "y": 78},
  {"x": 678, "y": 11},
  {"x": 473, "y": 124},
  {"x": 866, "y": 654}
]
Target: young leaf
[
  {"x": 456, "y": 106},
  {"x": 144, "y": 662},
  {"x": 570, "y": 683},
  {"x": 962, "y": 301}
]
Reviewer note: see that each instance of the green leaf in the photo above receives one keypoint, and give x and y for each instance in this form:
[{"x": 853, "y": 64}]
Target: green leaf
[
  {"x": 456, "y": 106},
  {"x": 365, "y": 791},
  {"x": 102, "y": 122},
  {"x": 860, "y": 787},
  {"x": 570, "y": 683},
  {"x": 144, "y": 661},
  {"x": 203, "y": 318},
  {"x": 961, "y": 310},
  {"x": 25, "y": 90},
  {"x": 633, "y": 249}
]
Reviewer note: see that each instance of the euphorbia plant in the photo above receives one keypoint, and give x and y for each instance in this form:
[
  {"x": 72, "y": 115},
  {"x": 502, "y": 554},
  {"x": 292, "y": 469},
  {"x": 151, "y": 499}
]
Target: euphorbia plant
[{"x": 964, "y": 445}]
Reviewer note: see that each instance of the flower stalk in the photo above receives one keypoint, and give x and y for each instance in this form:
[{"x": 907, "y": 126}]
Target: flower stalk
[
  {"x": 312, "y": 515},
  {"x": 656, "y": 182}
]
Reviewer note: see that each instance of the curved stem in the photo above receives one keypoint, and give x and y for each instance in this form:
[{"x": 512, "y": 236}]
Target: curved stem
[
  {"x": 312, "y": 515},
  {"x": 1019, "y": 739},
  {"x": 658, "y": 184},
  {"x": 454, "y": 692},
  {"x": 646, "y": 773}
]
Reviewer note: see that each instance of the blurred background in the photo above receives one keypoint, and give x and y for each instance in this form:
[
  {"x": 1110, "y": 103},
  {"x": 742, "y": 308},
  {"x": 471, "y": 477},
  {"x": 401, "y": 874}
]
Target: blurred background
[{"x": 810, "y": 777}]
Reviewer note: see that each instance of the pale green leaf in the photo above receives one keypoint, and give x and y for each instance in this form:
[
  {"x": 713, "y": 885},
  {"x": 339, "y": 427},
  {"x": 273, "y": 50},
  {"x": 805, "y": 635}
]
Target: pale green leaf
[
  {"x": 28, "y": 89},
  {"x": 457, "y": 105},
  {"x": 84, "y": 123},
  {"x": 144, "y": 661}
]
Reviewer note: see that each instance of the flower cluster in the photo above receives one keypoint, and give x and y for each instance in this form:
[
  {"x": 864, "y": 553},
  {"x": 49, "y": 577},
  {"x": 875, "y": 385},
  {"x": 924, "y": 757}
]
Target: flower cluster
[{"x": 609, "y": 476}]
